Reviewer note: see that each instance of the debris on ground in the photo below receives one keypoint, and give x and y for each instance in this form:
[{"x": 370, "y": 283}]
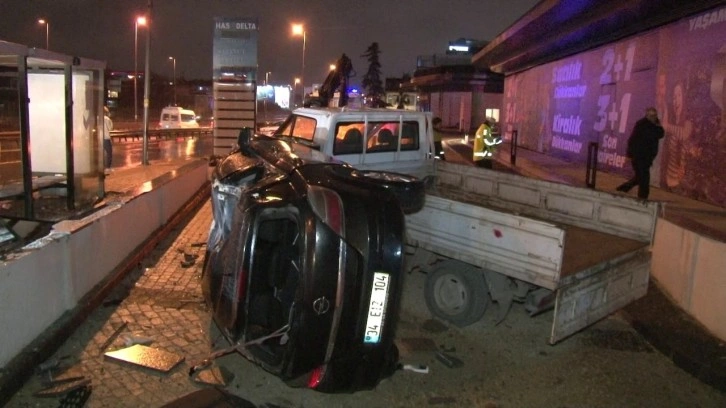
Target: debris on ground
[
  {"x": 76, "y": 398},
  {"x": 448, "y": 360},
  {"x": 417, "y": 368},
  {"x": 133, "y": 338},
  {"x": 239, "y": 348},
  {"x": 113, "y": 336},
  {"x": 214, "y": 375},
  {"x": 147, "y": 357},
  {"x": 61, "y": 387},
  {"x": 48, "y": 365}
]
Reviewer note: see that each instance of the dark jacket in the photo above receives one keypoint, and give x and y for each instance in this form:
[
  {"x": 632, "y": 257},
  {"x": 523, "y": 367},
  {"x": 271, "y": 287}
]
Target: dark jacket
[{"x": 643, "y": 142}]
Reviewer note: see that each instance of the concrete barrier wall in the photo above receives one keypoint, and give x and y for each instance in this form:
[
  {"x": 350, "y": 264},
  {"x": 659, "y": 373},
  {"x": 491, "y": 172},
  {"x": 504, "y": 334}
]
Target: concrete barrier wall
[
  {"x": 691, "y": 268},
  {"x": 49, "y": 278}
]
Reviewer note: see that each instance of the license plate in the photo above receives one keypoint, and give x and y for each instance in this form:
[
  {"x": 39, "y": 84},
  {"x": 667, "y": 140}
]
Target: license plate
[{"x": 377, "y": 308}]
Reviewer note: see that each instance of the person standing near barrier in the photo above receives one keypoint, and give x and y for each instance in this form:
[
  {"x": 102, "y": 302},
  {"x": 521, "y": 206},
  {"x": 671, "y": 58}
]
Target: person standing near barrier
[
  {"x": 642, "y": 149},
  {"x": 484, "y": 144},
  {"x": 438, "y": 147},
  {"x": 107, "y": 146}
]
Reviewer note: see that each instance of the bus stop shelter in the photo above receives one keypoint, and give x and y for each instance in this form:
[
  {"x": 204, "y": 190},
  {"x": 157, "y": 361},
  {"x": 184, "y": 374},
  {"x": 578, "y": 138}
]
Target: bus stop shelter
[{"x": 51, "y": 137}]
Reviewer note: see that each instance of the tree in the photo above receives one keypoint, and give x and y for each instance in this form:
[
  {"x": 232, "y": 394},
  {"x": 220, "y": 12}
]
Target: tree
[{"x": 372, "y": 84}]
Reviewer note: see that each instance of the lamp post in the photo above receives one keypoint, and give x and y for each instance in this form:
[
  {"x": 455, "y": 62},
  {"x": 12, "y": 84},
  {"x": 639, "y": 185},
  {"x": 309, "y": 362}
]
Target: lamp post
[
  {"x": 267, "y": 77},
  {"x": 299, "y": 29},
  {"x": 174, "y": 78},
  {"x": 45, "y": 22},
  {"x": 139, "y": 21}
]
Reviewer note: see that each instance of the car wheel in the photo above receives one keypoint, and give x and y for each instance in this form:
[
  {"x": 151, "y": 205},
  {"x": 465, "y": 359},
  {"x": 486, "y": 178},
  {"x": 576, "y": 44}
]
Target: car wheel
[
  {"x": 409, "y": 190},
  {"x": 456, "y": 292}
]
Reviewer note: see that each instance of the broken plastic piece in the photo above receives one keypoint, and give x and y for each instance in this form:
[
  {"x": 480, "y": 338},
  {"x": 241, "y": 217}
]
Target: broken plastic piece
[
  {"x": 420, "y": 368},
  {"x": 131, "y": 339}
]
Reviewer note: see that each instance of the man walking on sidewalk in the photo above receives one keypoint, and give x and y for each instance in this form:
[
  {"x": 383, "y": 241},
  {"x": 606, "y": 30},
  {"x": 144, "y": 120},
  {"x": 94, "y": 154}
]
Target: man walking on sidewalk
[{"x": 642, "y": 149}]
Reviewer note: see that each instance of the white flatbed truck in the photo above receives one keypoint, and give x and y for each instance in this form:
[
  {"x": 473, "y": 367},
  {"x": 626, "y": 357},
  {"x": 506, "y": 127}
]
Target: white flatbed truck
[{"x": 484, "y": 234}]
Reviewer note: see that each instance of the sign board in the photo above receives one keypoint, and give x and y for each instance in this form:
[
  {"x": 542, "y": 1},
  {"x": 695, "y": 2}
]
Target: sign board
[{"x": 234, "y": 79}]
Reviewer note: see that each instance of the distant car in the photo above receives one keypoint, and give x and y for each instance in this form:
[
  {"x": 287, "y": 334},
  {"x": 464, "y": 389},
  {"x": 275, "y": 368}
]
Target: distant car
[
  {"x": 304, "y": 263},
  {"x": 174, "y": 117}
]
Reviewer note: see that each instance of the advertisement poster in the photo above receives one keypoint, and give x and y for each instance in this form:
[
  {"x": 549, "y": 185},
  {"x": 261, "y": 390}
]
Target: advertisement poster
[
  {"x": 692, "y": 103},
  {"x": 560, "y": 108}
]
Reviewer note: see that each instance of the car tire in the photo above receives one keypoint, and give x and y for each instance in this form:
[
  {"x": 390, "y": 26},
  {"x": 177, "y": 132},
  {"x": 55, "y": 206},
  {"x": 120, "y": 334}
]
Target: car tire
[
  {"x": 456, "y": 292},
  {"x": 409, "y": 190}
]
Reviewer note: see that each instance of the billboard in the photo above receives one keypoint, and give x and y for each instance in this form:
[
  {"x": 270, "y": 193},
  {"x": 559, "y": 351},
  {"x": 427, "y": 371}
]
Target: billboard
[{"x": 561, "y": 107}]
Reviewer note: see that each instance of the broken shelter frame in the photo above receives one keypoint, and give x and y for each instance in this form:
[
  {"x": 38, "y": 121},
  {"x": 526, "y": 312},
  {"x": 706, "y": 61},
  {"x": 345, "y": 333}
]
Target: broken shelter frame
[{"x": 51, "y": 111}]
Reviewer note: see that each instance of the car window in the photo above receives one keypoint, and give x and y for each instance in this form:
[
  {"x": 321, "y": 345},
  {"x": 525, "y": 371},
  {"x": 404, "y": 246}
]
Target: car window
[
  {"x": 410, "y": 136},
  {"x": 348, "y": 138},
  {"x": 382, "y": 137},
  {"x": 174, "y": 118},
  {"x": 300, "y": 127},
  {"x": 187, "y": 118}
]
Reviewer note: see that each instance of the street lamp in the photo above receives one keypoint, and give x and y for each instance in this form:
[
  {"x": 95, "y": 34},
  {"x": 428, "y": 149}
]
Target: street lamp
[
  {"x": 332, "y": 67},
  {"x": 299, "y": 29},
  {"x": 45, "y": 22},
  {"x": 174, "y": 78},
  {"x": 140, "y": 21}
]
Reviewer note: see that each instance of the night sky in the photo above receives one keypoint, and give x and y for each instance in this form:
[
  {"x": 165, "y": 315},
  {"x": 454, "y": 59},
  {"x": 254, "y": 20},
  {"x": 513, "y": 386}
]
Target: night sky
[{"x": 404, "y": 29}]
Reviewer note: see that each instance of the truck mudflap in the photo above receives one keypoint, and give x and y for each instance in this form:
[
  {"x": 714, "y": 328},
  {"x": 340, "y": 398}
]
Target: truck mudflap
[{"x": 592, "y": 294}]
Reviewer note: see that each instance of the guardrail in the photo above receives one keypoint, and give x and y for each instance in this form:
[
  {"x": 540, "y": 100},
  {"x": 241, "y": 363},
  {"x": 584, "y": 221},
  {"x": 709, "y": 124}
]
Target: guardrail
[
  {"x": 159, "y": 133},
  {"x": 10, "y": 141}
]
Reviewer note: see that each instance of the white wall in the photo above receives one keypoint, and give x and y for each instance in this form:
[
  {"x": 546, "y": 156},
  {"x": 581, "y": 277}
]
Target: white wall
[
  {"x": 692, "y": 270},
  {"x": 45, "y": 282}
]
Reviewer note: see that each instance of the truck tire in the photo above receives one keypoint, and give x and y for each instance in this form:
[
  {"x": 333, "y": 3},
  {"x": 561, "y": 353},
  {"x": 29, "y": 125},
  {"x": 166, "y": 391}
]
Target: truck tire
[
  {"x": 456, "y": 292},
  {"x": 409, "y": 190}
]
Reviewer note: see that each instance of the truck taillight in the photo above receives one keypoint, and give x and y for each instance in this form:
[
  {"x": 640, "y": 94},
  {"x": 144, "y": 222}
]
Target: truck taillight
[{"x": 328, "y": 206}]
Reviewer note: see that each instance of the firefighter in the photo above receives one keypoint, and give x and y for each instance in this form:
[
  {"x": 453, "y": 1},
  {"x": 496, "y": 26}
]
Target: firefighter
[{"x": 484, "y": 145}]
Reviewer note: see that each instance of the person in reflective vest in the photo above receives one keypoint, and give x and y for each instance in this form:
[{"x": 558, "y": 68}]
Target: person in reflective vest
[{"x": 484, "y": 145}]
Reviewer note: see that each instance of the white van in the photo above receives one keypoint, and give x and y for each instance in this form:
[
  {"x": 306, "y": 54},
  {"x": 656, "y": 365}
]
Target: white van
[{"x": 174, "y": 117}]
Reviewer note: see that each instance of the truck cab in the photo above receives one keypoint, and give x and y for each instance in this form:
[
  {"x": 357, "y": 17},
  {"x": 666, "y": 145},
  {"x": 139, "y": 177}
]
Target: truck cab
[{"x": 372, "y": 139}]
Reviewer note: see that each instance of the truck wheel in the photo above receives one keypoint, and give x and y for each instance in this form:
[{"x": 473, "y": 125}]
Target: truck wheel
[
  {"x": 409, "y": 190},
  {"x": 456, "y": 292}
]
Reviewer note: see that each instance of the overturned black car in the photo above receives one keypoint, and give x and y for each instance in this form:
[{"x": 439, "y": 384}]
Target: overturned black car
[{"x": 304, "y": 262}]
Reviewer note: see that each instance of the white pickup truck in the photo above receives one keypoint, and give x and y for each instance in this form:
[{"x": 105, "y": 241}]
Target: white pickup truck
[{"x": 484, "y": 234}]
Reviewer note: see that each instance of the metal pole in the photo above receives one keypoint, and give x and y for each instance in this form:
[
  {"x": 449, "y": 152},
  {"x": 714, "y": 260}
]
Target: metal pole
[
  {"x": 513, "y": 148},
  {"x": 136, "y": 69},
  {"x": 174, "y": 80},
  {"x": 147, "y": 86},
  {"x": 302, "y": 75},
  {"x": 47, "y": 35},
  {"x": 591, "y": 169}
]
